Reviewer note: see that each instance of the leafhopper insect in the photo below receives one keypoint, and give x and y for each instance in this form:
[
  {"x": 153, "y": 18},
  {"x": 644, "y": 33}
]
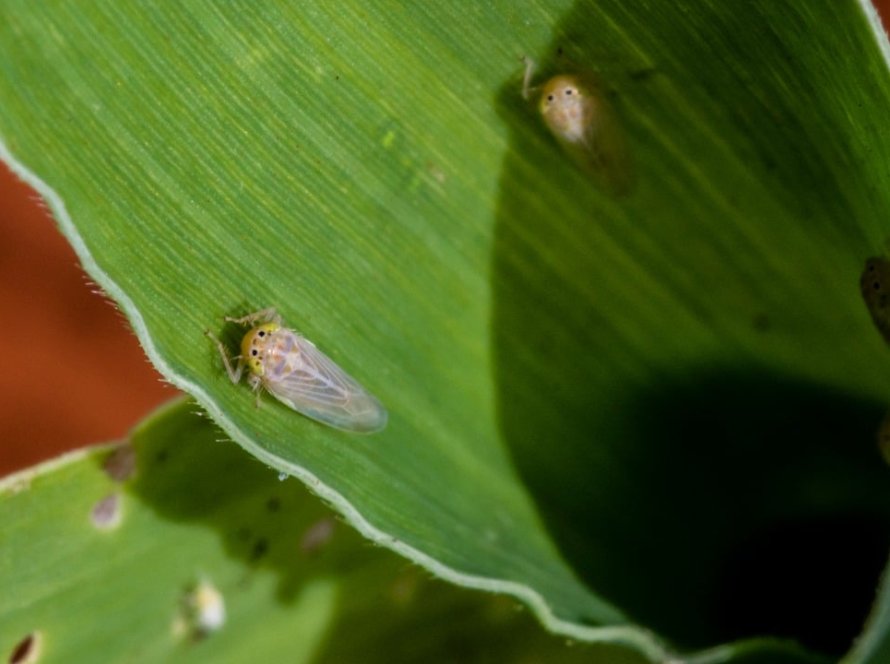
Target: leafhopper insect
[
  {"x": 578, "y": 114},
  {"x": 294, "y": 371}
]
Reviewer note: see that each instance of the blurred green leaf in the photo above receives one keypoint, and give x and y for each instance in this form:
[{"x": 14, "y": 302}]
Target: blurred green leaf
[{"x": 296, "y": 584}]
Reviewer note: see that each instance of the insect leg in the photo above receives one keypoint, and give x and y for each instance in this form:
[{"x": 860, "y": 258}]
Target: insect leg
[
  {"x": 255, "y": 384},
  {"x": 527, "y": 77},
  {"x": 234, "y": 372},
  {"x": 267, "y": 315}
]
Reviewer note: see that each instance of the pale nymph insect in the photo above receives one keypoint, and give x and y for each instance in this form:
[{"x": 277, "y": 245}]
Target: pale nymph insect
[
  {"x": 577, "y": 112},
  {"x": 294, "y": 371}
]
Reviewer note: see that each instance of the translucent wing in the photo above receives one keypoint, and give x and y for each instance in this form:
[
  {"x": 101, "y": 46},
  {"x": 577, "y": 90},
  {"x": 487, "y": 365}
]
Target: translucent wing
[{"x": 320, "y": 389}]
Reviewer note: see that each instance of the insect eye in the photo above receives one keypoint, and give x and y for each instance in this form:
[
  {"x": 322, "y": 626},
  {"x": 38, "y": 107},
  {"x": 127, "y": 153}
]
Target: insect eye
[
  {"x": 262, "y": 333},
  {"x": 254, "y": 352}
]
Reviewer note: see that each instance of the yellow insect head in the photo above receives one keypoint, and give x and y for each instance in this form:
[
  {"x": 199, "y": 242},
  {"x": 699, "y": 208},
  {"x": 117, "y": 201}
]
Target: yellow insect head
[
  {"x": 568, "y": 108},
  {"x": 254, "y": 345}
]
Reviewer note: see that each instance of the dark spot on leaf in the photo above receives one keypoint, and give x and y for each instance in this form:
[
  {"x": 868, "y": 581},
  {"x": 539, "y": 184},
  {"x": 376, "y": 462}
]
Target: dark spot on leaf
[
  {"x": 273, "y": 504},
  {"x": 761, "y": 322},
  {"x": 25, "y": 650},
  {"x": 317, "y": 535},
  {"x": 120, "y": 464},
  {"x": 260, "y": 548},
  {"x": 642, "y": 74}
]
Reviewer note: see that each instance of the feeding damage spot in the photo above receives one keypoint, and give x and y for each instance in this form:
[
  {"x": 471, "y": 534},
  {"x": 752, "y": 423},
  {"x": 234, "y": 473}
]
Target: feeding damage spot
[
  {"x": 875, "y": 287},
  {"x": 27, "y": 650},
  {"x": 260, "y": 549},
  {"x": 761, "y": 322},
  {"x": 404, "y": 588},
  {"x": 121, "y": 464},
  {"x": 202, "y": 611},
  {"x": 107, "y": 513},
  {"x": 317, "y": 535},
  {"x": 436, "y": 172}
]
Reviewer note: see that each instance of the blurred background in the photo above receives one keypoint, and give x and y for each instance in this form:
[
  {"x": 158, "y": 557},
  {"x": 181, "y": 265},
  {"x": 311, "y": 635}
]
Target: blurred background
[{"x": 74, "y": 373}]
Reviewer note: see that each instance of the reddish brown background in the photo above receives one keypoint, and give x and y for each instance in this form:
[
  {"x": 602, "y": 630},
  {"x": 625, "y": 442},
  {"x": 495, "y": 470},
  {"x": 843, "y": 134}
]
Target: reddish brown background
[{"x": 73, "y": 373}]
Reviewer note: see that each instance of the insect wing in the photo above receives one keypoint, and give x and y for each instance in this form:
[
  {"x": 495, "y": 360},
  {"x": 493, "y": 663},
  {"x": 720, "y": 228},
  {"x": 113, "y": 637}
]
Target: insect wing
[{"x": 323, "y": 391}]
